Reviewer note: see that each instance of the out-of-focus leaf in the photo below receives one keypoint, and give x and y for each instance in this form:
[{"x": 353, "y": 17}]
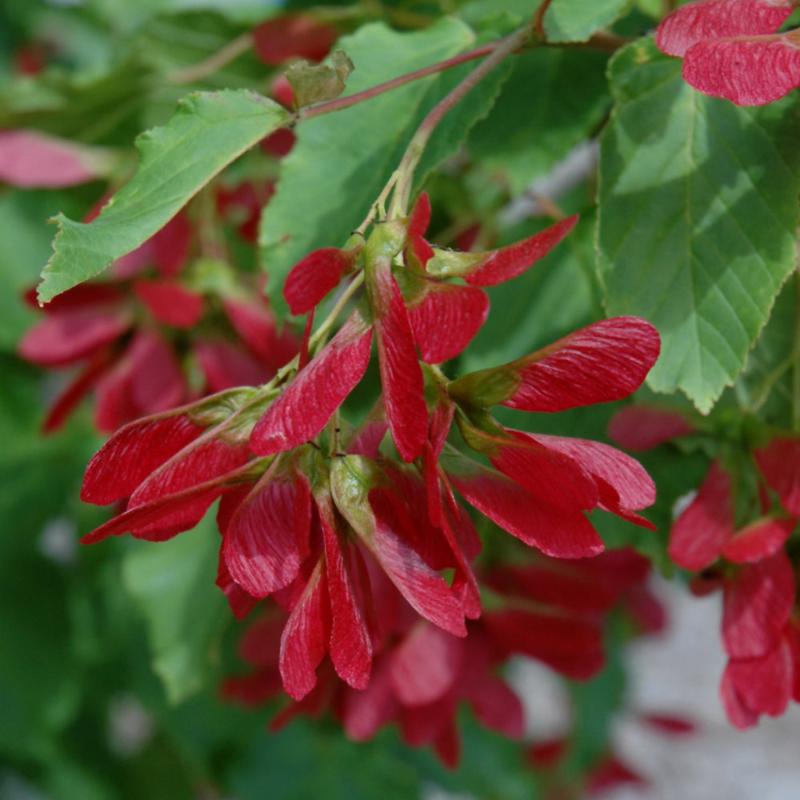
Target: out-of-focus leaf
[
  {"x": 38, "y": 479},
  {"x": 563, "y": 95},
  {"x": 596, "y": 702},
  {"x": 698, "y": 216},
  {"x": 765, "y": 386},
  {"x": 210, "y": 130},
  {"x": 95, "y": 108},
  {"x": 172, "y": 43},
  {"x": 571, "y": 21},
  {"x": 173, "y": 585},
  {"x": 343, "y": 770},
  {"x": 341, "y": 161},
  {"x": 23, "y": 221},
  {"x": 478, "y": 12},
  {"x": 314, "y": 83}
]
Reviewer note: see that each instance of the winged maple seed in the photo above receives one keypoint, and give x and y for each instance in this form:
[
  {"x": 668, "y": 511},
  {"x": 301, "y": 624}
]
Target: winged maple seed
[
  {"x": 329, "y": 520},
  {"x": 732, "y": 48},
  {"x": 135, "y": 338},
  {"x": 547, "y": 610},
  {"x": 735, "y": 534}
]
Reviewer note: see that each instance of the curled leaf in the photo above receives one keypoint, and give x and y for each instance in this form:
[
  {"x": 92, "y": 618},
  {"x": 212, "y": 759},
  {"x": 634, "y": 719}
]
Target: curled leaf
[{"x": 315, "y": 83}]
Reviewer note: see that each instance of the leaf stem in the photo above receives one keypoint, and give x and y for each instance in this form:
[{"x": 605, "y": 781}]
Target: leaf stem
[
  {"x": 340, "y": 103},
  {"x": 327, "y": 323},
  {"x": 215, "y": 62},
  {"x": 378, "y": 208},
  {"x": 502, "y": 49}
]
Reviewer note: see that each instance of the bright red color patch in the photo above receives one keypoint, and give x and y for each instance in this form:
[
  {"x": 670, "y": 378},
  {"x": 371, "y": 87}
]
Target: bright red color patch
[
  {"x": 702, "y": 530},
  {"x": 294, "y": 418},
  {"x": 509, "y": 262},
  {"x": 314, "y": 276},
  {"x": 779, "y": 463},
  {"x": 602, "y": 362},
  {"x": 748, "y": 71},
  {"x": 262, "y": 542},
  {"x": 757, "y": 606},
  {"x": 304, "y": 639},
  {"x": 401, "y": 376},
  {"x": 67, "y": 336},
  {"x": 30, "y": 159},
  {"x": 170, "y": 302},
  {"x": 132, "y": 453},
  {"x": 641, "y": 428},
  {"x": 719, "y": 19},
  {"x": 445, "y": 318},
  {"x": 293, "y": 36}
]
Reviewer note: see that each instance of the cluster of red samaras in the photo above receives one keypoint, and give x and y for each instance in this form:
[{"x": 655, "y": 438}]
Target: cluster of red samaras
[
  {"x": 732, "y": 48},
  {"x": 736, "y": 534},
  {"x": 137, "y": 339},
  {"x": 546, "y": 609},
  {"x": 359, "y": 537},
  {"x": 148, "y": 340}
]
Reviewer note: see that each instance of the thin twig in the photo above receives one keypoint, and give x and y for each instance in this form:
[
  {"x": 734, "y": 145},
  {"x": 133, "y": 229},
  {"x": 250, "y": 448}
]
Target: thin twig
[
  {"x": 196, "y": 72},
  {"x": 345, "y": 297},
  {"x": 502, "y": 49},
  {"x": 538, "y": 20},
  {"x": 329, "y": 106}
]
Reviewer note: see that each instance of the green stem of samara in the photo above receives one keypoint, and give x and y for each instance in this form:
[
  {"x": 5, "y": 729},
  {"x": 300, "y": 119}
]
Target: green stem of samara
[
  {"x": 340, "y": 103},
  {"x": 344, "y": 298}
]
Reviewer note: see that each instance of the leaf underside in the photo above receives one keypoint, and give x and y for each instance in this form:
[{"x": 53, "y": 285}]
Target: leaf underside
[
  {"x": 698, "y": 209},
  {"x": 209, "y": 130}
]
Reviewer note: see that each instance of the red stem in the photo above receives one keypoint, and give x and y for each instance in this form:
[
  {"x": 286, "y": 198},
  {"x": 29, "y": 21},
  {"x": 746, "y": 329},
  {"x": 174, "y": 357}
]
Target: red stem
[
  {"x": 600, "y": 41},
  {"x": 367, "y": 94}
]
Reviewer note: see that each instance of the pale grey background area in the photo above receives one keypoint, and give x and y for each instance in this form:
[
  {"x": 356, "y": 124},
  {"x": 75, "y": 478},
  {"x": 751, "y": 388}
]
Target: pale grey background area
[{"x": 678, "y": 672}]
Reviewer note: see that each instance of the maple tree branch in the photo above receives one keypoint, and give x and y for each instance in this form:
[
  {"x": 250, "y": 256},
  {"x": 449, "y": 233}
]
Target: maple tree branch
[
  {"x": 502, "y": 49},
  {"x": 340, "y": 103},
  {"x": 538, "y": 20},
  {"x": 202, "y": 69}
]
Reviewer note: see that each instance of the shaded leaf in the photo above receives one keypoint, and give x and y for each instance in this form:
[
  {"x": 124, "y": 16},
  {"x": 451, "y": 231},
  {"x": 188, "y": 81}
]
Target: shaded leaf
[
  {"x": 570, "y": 21},
  {"x": 698, "y": 208},
  {"x": 208, "y": 132},
  {"x": 173, "y": 586},
  {"x": 314, "y": 83}
]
